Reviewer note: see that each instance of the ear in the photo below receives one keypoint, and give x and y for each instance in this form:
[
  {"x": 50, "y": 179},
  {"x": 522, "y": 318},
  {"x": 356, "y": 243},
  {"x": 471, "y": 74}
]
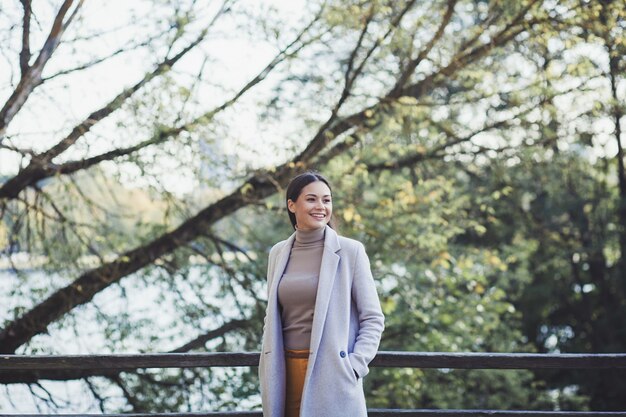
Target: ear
[{"x": 290, "y": 206}]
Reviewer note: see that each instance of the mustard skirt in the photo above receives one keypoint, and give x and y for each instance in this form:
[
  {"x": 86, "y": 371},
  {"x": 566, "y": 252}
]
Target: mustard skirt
[{"x": 296, "y": 362}]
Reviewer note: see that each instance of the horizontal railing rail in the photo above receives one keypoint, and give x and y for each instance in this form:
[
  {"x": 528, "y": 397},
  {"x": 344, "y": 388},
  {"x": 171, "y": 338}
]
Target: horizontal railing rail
[
  {"x": 29, "y": 368},
  {"x": 441, "y": 360}
]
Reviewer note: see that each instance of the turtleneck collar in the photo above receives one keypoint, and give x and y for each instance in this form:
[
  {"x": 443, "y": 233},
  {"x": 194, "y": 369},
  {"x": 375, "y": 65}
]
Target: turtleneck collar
[{"x": 310, "y": 236}]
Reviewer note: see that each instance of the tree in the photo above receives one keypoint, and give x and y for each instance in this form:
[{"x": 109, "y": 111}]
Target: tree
[{"x": 387, "y": 84}]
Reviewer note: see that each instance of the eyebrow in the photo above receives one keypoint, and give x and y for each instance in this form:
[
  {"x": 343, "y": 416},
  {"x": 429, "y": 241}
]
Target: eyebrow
[{"x": 315, "y": 195}]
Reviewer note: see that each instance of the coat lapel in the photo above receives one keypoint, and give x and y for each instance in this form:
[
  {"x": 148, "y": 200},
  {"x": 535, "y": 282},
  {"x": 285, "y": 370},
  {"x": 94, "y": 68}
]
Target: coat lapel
[
  {"x": 275, "y": 329},
  {"x": 328, "y": 269},
  {"x": 281, "y": 262}
]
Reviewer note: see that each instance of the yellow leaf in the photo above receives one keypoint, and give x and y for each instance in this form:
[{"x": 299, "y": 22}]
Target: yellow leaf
[
  {"x": 348, "y": 214},
  {"x": 407, "y": 100},
  {"x": 246, "y": 188}
]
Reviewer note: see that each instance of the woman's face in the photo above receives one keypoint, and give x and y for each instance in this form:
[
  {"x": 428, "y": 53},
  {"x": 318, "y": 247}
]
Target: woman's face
[{"x": 313, "y": 206}]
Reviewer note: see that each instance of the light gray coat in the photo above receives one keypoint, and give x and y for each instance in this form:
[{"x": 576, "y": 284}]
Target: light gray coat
[{"x": 347, "y": 327}]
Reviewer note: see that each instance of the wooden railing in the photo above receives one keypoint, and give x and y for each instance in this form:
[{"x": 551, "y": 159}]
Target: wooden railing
[{"x": 22, "y": 368}]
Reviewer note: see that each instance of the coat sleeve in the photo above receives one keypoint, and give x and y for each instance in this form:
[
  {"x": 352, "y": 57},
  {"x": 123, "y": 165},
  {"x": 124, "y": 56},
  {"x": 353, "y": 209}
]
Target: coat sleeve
[
  {"x": 370, "y": 315},
  {"x": 270, "y": 272}
]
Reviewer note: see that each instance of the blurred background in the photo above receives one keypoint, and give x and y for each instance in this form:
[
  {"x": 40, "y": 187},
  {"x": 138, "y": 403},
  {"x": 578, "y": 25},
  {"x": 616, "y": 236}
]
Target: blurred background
[{"x": 475, "y": 147}]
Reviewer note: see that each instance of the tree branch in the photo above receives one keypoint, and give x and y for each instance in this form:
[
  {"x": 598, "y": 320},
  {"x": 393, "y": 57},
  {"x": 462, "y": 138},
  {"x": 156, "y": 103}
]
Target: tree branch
[
  {"x": 463, "y": 58},
  {"x": 41, "y": 166},
  {"x": 413, "y": 63},
  {"x": 455, "y": 139},
  {"x": 25, "y": 52},
  {"x": 103, "y": 58},
  {"x": 32, "y": 77},
  {"x": 325, "y": 133},
  {"x": 201, "y": 340}
]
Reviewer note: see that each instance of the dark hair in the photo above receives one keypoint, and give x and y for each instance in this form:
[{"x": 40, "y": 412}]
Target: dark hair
[{"x": 295, "y": 187}]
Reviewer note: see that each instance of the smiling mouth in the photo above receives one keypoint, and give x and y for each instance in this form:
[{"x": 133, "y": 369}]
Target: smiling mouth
[{"x": 318, "y": 216}]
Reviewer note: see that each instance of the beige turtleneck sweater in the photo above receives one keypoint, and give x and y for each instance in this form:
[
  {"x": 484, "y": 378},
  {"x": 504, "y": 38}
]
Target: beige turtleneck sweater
[{"x": 297, "y": 289}]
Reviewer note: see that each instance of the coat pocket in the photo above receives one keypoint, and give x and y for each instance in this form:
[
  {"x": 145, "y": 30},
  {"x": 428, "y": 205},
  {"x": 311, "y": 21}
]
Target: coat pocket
[{"x": 349, "y": 370}]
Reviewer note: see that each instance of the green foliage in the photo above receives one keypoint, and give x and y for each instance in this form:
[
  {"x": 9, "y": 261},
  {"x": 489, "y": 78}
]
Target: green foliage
[{"x": 489, "y": 203}]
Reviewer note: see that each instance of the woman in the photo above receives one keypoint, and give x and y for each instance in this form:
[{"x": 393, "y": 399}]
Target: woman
[{"x": 323, "y": 321}]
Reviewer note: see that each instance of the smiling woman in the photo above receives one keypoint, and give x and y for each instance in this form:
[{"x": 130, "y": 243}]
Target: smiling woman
[{"x": 311, "y": 366}]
